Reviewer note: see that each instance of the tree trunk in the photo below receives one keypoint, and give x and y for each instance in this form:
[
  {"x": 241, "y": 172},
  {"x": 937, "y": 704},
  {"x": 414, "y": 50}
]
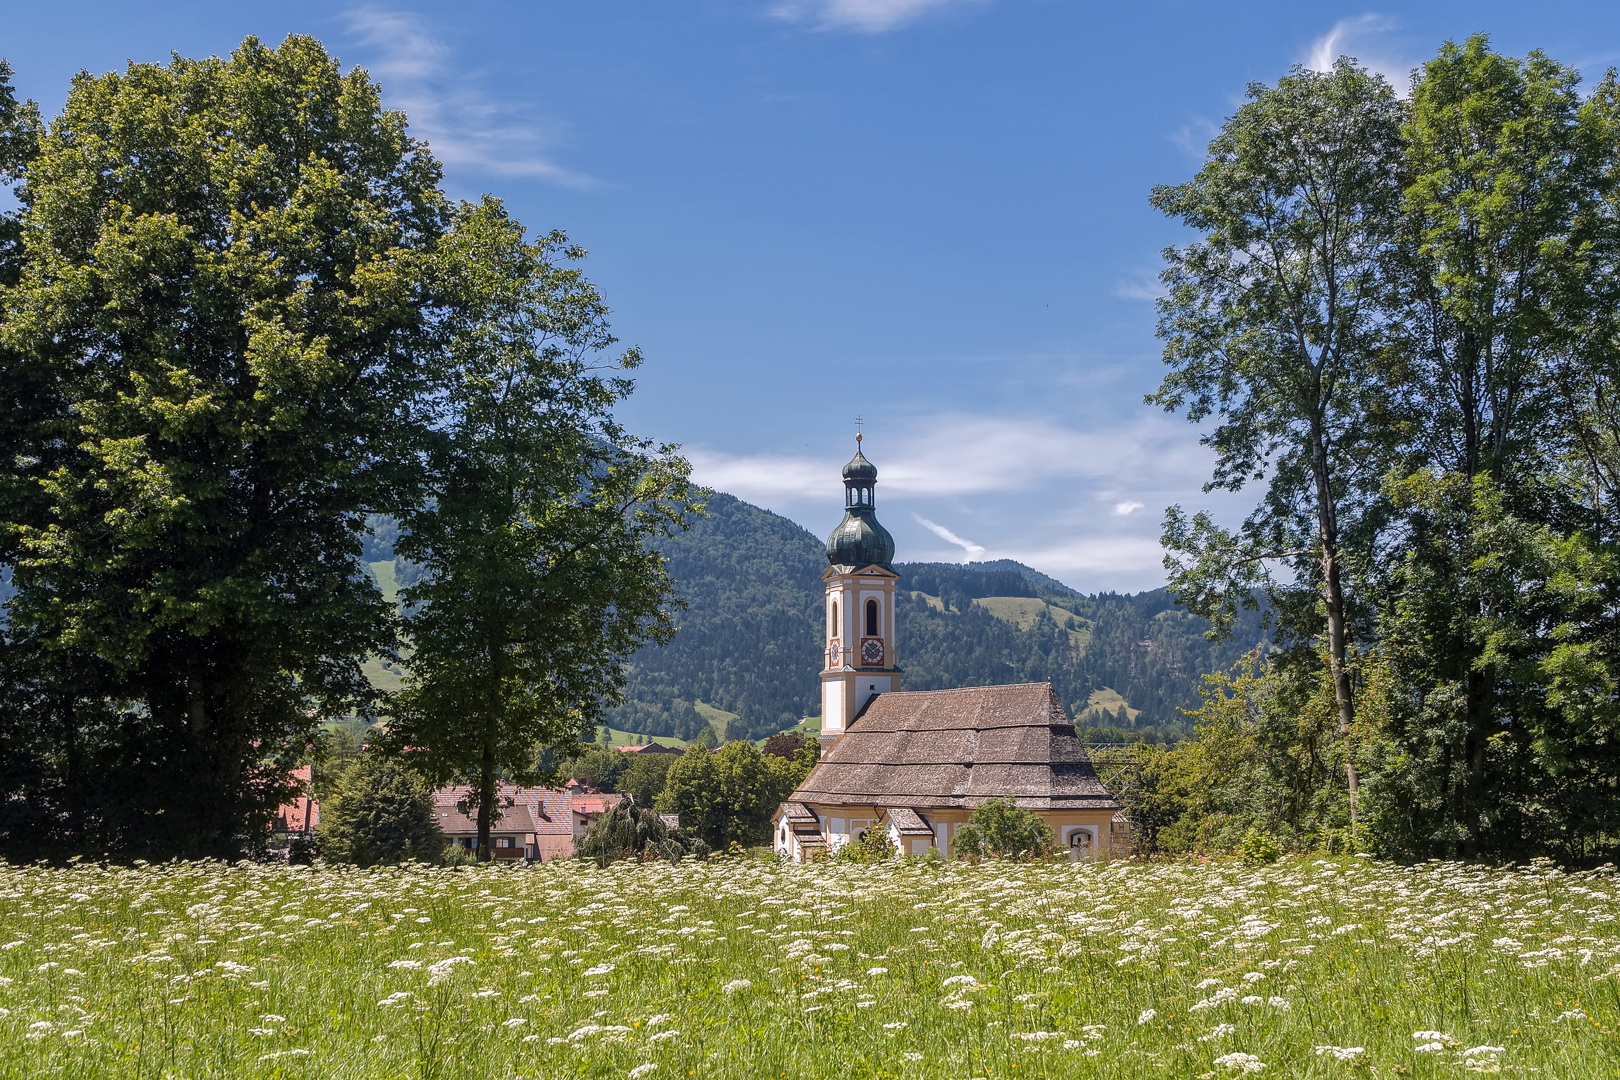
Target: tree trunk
[
  {"x": 486, "y": 799},
  {"x": 1337, "y": 632}
]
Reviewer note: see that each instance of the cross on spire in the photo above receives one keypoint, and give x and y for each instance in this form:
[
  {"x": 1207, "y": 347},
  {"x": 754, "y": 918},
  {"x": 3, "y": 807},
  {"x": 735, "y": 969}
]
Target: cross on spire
[{"x": 858, "y": 423}]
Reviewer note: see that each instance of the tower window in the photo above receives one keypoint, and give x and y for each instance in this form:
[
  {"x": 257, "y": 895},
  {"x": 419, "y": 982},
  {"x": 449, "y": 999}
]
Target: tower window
[
  {"x": 871, "y": 618},
  {"x": 832, "y": 624}
]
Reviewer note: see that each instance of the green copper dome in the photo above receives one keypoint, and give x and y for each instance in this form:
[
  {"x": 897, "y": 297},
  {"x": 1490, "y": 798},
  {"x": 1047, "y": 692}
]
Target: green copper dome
[
  {"x": 859, "y": 539},
  {"x": 859, "y": 468}
]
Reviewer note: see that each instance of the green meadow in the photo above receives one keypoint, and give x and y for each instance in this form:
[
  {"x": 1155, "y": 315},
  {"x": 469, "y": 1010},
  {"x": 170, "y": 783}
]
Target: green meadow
[{"x": 750, "y": 969}]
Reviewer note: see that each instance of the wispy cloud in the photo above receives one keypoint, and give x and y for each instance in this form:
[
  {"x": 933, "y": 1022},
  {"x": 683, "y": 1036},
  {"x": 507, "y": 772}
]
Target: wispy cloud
[
  {"x": 861, "y": 16},
  {"x": 949, "y": 537},
  {"x": 1193, "y": 139},
  {"x": 466, "y": 126},
  {"x": 1072, "y": 500},
  {"x": 1139, "y": 287},
  {"x": 761, "y": 478},
  {"x": 1369, "y": 39},
  {"x": 959, "y": 454}
]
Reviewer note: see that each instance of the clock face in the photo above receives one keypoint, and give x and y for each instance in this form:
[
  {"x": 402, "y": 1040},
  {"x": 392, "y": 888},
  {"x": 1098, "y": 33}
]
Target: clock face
[
  {"x": 872, "y": 651},
  {"x": 835, "y": 652}
]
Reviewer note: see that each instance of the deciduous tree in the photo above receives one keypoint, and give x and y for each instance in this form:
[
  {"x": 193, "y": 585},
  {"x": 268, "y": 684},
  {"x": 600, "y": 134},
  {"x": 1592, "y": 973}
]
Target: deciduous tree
[
  {"x": 1273, "y": 327},
  {"x": 218, "y": 321},
  {"x": 538, "y": 578}
]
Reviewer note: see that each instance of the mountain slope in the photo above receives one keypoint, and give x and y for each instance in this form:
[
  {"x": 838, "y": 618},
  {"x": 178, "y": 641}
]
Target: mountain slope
[{"x": 750, "y": 638}]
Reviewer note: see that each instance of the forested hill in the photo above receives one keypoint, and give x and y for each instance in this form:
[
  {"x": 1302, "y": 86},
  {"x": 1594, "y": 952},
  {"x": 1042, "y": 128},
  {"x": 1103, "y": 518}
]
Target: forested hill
[{"x": 750, "y": 638}]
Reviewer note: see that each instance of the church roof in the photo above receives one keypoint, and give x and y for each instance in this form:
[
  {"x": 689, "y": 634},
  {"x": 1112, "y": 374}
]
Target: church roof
[{"x": 957, "y": 748}]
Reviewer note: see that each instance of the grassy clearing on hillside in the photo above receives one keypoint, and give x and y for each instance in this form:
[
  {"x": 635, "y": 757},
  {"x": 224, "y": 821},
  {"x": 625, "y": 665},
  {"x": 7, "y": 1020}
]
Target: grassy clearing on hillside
[
  {"x": 715, "y": 717},
  {"x": 753, "y": 970},
  {"x": 1023, "y": 611}
]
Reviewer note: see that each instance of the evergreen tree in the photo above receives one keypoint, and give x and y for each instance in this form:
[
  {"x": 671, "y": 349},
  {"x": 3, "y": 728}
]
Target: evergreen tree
[{"x": 378, "y": 811}]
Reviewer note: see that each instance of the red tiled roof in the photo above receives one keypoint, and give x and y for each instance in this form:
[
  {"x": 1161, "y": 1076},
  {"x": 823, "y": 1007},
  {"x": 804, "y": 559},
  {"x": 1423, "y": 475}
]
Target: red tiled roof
[{"x": 303, "y": 813}]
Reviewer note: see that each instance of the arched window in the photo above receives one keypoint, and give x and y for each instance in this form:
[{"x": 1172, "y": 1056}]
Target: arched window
[
  {"x": 871, "y": 618},
  {"x": 832, "y": 623}
]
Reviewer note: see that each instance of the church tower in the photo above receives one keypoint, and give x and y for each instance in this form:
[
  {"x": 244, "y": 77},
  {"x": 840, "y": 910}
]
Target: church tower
[{"x": 859, "y": 606}]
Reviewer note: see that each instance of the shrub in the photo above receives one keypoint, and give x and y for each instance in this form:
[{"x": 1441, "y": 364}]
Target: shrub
[
  {"x": 1000, "y": 829},
  {"x": 378, "y": 811},
  {"x": 628, "y": 831}
]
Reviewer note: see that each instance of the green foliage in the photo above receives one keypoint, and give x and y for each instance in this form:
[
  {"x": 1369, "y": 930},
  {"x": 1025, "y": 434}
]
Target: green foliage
[
  {"x": 872, "y": 845},
  {"x": 644, "y": 780},
  {"x": 377, "y": 811},
  {"x": 215, "y": 319},
  {"x": 727, "y": 796},
  {"x": 1411, "y": 342},
  {"x": 1259, "y": 847},
  {"x": 635, "y": 832},
  {"x": 537, "y": 576},
  {"x": 598, "y": 766},
  {"x": 1000, "y": 829}
]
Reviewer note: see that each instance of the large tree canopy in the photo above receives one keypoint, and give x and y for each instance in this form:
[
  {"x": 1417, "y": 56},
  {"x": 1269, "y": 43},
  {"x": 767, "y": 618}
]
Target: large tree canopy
[
  {"x": 239, "y": 318},
  {"x": 1401, "y": 317}
]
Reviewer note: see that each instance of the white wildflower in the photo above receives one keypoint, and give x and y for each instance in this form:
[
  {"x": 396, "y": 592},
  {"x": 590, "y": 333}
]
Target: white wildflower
[
  {"x": 1219, "y": 1031},
  {"x": 735, "y": 985},
  {"x": 662, "y": 1035},
  {"x": 1572, "y": 1014},
  {"x": 1037, "y": 1036},
  {"x": 516, "y": 1021},
  {"x": 877, "y": 971},
  {"x": 1147, "y": 1016},
  {"x": 895, "y": 1026},
  {"x": 1241, "y": 1063},
  {"x": 1340, "y": 1053},
  {"x": 409, "y": 965},
  {"x": 960, "y": 980},
  {"x": 661, "y": 1018},
  {"x": 599, "y": 969},
  {"x": 1429, "y": 1048},
  {"x": 642, "y": 1070}
]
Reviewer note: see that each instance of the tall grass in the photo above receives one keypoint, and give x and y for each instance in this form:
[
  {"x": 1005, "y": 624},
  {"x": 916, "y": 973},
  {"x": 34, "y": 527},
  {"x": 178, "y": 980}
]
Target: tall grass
[{"x": 744, "y": 969}]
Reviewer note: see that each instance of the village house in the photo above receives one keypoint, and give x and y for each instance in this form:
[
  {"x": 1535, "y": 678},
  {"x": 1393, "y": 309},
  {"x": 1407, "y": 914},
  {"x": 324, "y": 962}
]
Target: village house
[
  {"x": 296, "y": 820},
  {"x": 916, "y": 764},
  {"x": 536, "y": 824}
]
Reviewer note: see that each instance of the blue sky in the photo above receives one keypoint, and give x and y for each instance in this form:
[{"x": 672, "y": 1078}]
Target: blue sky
[{"x": 931, "y": 213}]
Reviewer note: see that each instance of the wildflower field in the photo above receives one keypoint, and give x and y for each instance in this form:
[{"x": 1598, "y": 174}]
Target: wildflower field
[{"x": 735, "y": 968}]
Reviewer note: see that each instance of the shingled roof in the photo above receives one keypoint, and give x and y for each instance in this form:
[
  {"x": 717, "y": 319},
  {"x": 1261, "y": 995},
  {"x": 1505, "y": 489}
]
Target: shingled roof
[{"x": 957, "y": 748}]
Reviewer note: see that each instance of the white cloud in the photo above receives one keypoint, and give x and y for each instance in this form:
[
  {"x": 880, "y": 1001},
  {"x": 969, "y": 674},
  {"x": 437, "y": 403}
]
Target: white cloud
[
  {"x": 953, "y": 455},
  {"x": 1139, "y": 287},
  {"x": 465, "y": 125},
  {"x": 1194, "y": 138},
  {"x": 861, "y": 16},
  {"x": 1101, "y": 561},
  {"x": 949, "y": 537},
  {"x": 1366, "y": 38},
  {"x": 1070, "y": 501},
  {"x": 763, "y": 478}
]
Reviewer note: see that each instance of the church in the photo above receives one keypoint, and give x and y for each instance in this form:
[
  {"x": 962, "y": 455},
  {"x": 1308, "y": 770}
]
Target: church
[{"x": 916, "y": 763}]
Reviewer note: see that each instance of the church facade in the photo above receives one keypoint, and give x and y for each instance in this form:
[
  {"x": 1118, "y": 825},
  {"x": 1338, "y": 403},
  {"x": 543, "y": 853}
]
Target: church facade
[{"x": 916, "y": 764}]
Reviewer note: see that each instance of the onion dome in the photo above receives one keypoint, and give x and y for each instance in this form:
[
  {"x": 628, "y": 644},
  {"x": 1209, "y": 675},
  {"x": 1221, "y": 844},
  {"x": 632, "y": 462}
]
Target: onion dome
[
  {"x": 859, "y": 468},
  {"x": 859, "y": 539}
]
